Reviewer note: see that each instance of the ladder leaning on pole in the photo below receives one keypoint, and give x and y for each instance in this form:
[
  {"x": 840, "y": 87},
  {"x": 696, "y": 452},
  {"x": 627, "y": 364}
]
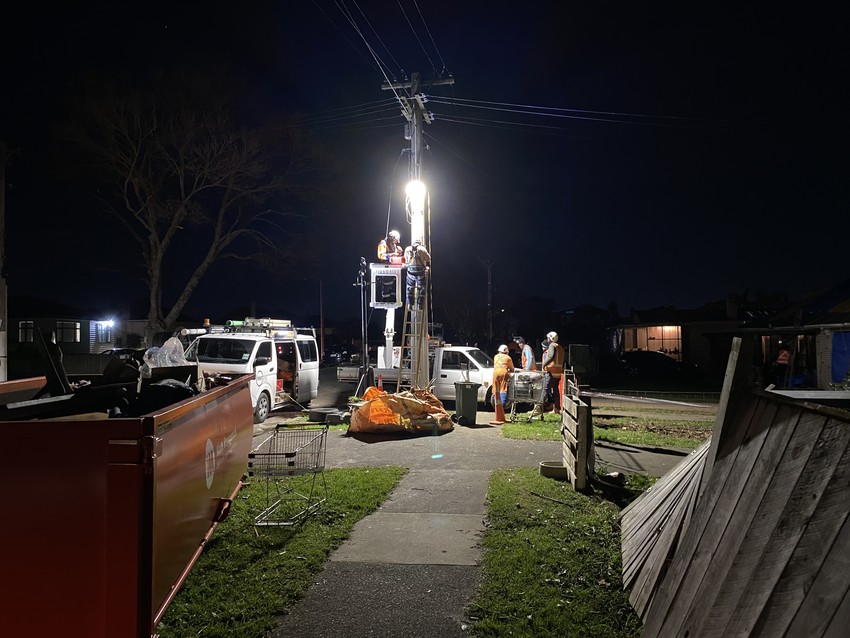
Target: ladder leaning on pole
[{"x": 413, "y": 336}]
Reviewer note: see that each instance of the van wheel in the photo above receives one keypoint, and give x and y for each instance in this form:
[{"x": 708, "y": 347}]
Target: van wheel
[
  {"x": 488, "y": 399},
  {"x": 261, "y": 411}
]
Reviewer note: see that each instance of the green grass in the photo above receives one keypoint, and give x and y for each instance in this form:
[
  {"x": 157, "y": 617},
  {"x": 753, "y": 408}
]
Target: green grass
[
  {"x": 654, "y": 431},
  {"x": 552, "y": 563},
  {"x": 248, "y": 576},
  {"x": 536, "y": 430}
]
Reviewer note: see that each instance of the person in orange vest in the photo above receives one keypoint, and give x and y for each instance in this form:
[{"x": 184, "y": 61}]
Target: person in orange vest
[
  {"x": 527, "y": 354},
  {"x": 390, "y": 247},
  {"x": 553, "y": 367},
  {"x": 503, "y": 365},
  {"x": 783, "y": 361}
]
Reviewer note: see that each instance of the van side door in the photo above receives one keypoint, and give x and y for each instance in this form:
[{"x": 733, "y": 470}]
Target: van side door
[{"x": 308, "y": 369}]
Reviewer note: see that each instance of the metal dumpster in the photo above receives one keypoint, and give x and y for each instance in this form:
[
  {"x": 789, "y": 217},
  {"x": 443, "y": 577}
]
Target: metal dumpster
[{"x": 104, "y": 518}]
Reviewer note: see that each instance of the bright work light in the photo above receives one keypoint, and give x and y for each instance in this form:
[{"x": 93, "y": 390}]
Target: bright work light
[{"x": 415, "y": 191}]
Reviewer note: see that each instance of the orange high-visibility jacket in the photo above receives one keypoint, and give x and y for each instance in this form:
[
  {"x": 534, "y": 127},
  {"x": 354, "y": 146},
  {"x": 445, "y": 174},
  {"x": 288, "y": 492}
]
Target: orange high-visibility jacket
[{"x": 555, "y": 364}]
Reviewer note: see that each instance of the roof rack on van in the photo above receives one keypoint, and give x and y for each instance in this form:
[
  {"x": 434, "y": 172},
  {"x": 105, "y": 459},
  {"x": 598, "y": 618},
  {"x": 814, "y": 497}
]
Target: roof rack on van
[{"x": 265, "y": 323}]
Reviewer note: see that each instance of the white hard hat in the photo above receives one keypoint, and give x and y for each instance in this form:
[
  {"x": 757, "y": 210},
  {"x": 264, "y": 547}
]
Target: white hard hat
[
  {"x": 552, "y": 336},
  {"x": 395, "y": 235},
  {"x": 503, "y": 349}
]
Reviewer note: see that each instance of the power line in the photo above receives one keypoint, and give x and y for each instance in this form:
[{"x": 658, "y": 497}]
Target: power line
[
  {"x": 558, "y": 112},
  {"x": 421, "y": 17},
  {"x": 510, "y": 125},
  {"x": 392, "y": 105},
  {"x": 353, "y": 46},
  {"x": 401, "y": 70},
  {"x": 416, "y": 35},
  {"x": 381, "y": 64}
]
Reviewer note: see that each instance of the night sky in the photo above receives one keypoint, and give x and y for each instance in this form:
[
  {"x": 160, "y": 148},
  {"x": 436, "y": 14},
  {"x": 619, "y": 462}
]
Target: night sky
[{"x": 592, "y": 153}]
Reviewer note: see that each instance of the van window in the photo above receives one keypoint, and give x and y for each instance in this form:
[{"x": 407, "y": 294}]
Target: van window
[
  {"x": 308, "y": 350},
  {"x": 265, "y": 349},
  {"x": 212, "y": 350}
]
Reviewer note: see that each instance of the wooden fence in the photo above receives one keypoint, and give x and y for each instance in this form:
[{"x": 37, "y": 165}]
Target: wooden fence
[
  {"x": 577, "y": 436},
  {"x": 763, "y": 547}
]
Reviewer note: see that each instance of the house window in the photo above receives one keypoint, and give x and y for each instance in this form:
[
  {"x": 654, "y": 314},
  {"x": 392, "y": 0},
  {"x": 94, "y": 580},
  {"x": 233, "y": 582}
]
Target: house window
[
  {"x": 67, "y": 332},
  {"x": 665, "y": 339},
  {"x": 26, "y": 331},
  {"x": 104, "y": 332}
]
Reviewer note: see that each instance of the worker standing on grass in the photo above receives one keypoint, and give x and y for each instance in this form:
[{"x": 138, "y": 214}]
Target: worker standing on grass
[
  {"x": 390, "y": 247},
  {"x": 553, "y": 367},
  {"x": 503, "y": 365}
]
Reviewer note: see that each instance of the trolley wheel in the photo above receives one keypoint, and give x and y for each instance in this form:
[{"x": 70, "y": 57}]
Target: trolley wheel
[{"x": 261, "y": 411}]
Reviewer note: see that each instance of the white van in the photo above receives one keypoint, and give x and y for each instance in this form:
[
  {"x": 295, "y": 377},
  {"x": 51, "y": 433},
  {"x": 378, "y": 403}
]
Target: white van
[{"x": 285, "y": 366}]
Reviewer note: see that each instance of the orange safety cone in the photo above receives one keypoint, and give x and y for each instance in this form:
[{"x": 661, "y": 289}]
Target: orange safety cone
[
  {"x": 380, "y": 382},
  {"x": 500, "y": 412}
]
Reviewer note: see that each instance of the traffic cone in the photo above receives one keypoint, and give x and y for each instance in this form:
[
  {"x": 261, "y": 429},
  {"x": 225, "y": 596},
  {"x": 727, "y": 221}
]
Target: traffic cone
[
  {"x": 500, "y": 410},
  {"x": 381, "y": 382}
]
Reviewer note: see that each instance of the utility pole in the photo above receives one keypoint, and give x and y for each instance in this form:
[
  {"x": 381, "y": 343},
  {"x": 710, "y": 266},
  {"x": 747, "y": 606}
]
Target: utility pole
[
  {"x": 4, "y": 311},
  {"x": 413, "y": 109},
  {"x": 488, "y": 264}
]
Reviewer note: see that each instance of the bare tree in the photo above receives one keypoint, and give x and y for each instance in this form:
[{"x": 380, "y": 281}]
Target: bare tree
[{"x": 170, "y": 167}]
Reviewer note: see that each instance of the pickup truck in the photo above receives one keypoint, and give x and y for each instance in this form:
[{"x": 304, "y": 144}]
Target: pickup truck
[{"x": 448, "y": 365}]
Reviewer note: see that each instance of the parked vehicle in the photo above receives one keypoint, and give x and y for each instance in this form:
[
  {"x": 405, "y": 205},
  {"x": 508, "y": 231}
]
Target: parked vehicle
[
  {"x": 284, "y": 360},
  {"x": 336, "y": 355},
  {"x": 124, "y": 353},
  {"x": 448, "y": 365}
]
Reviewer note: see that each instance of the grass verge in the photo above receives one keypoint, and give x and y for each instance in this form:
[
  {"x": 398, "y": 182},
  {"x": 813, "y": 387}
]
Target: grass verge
[
  {"x": 654, "y": 431},
  {"x": 552, "y": 563},
  {"x": 247, "y": 576}
]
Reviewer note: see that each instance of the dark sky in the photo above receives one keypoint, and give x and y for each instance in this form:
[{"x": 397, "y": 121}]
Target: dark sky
[{"x": 697, "y": 150}]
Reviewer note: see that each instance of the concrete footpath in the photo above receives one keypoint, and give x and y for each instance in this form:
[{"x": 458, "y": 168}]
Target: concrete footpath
[{"x": 410, "y": 568}]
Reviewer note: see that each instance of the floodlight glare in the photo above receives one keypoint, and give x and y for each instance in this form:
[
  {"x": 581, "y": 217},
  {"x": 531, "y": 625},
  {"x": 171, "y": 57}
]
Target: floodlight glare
[{"x": 415, "y": 191}]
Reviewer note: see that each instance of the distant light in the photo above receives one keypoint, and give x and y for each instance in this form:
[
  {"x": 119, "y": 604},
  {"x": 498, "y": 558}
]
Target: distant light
[{"x": 106, "y": 323}]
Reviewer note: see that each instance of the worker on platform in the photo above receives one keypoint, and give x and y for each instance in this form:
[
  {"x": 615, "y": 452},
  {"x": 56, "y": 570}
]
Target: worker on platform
[
  {"x": 553, "y": 367},
  {"x": 527, "y": 355},
  {"x": 390, "y": 247},
  {"x": 503, "y": 365},
  {"x": 418, "y": 261}
]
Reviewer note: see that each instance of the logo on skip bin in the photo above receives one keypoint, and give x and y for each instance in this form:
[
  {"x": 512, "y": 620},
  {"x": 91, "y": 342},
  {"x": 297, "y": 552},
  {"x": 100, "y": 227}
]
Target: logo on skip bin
[{"x": 209, "y": 463}]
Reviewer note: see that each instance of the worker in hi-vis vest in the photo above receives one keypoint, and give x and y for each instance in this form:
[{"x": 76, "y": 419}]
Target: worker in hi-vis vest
[
  {"x": 503, "y": 365},
  {"x": 783, "y": 362},
  {"x": 390, "y": 247},
  {"x": 553, "y": 367},
  {"x": 527, "y": 361}
]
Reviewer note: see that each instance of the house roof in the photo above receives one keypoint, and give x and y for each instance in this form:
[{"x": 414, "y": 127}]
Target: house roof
[{"x": 25, "y": 307}]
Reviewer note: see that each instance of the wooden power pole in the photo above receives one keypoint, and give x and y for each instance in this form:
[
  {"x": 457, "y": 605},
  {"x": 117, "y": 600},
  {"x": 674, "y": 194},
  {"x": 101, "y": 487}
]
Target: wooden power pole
[{"x": 413, "y": 109}]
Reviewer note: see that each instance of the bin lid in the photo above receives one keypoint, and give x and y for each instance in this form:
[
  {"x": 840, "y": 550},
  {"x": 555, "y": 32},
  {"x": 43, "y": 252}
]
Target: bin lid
[{"x": 468, "y": 384}]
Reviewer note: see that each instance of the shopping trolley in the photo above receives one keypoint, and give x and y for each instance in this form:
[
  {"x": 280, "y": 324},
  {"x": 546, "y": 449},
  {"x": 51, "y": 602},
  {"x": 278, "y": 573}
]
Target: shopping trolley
[
  {"x": 526, "y": 387},
  {"x": 289, "y": 462}
]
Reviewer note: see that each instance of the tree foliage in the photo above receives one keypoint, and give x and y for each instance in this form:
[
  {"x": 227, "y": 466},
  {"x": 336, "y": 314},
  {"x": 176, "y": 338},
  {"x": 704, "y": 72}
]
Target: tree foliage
[{"x": 192, "y": 187}]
